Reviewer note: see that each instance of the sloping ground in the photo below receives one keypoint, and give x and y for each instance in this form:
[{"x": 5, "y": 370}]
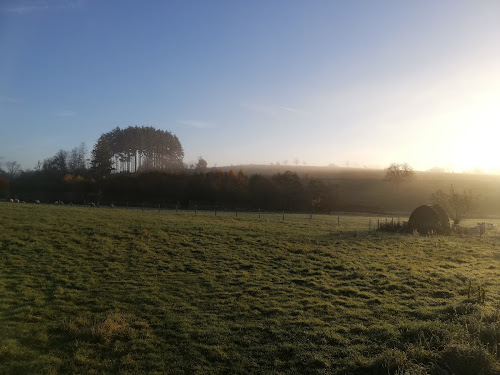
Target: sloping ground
[{"x": 97, "y": 291}]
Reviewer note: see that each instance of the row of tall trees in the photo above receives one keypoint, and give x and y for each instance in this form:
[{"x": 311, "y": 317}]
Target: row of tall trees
[
  {"x": 151, "y": 162},
  {"x": 136, "y": 148},
  {"x": 132, "y": 149}
]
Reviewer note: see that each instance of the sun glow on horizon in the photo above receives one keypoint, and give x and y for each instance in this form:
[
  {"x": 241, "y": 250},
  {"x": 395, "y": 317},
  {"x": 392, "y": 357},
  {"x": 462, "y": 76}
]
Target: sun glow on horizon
[{"x": 470, "y": 137}]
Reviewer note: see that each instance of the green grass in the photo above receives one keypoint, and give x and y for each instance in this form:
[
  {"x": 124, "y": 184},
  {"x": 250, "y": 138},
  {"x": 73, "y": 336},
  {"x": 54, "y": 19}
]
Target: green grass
[{"x": 99, "y": 291}]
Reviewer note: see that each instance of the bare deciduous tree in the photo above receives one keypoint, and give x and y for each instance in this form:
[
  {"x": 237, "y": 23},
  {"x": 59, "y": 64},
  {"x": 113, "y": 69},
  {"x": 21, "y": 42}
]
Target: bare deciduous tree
[
  {"x": 76, "y": 159},
  {"x": 13, "y": 168},
  {"x": 457, "y": 205},
  {"x": 398, "y": 173}
]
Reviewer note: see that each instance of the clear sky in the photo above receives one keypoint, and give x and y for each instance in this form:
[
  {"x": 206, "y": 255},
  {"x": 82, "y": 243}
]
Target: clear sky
[{"x": 363, "y": 83}]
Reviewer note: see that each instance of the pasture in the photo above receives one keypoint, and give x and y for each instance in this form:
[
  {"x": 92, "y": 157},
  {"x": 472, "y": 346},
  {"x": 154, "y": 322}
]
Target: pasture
[{"x": 99, "y": 291}]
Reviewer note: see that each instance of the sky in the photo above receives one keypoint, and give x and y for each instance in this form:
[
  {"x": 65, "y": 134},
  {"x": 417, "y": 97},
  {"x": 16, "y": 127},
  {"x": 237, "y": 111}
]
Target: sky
[{"x": 351, "y": 83}]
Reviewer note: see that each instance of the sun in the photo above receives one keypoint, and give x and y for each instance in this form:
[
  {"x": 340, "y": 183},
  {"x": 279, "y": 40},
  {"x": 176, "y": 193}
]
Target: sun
[{"x": 477, "y": 138}]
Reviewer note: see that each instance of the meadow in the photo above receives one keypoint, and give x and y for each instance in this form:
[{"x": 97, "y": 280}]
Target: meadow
[{"x": 100, "y": 291}]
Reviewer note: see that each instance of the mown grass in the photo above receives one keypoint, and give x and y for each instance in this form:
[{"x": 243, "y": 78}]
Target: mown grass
[{"x": 99, "y": 291}]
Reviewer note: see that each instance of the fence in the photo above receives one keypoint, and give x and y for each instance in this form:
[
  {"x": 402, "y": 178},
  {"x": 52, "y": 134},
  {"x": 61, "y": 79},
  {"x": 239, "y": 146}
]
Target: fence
[{"x": 341, "y": 221}]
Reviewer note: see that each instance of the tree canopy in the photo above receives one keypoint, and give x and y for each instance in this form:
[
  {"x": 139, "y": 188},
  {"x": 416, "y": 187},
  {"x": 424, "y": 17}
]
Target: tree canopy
[{"x": 137, "y": 148}]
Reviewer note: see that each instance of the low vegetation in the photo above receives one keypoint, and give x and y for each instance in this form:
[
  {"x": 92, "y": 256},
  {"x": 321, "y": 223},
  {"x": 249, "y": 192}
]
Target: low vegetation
[
  {"x": 457, "y": 205},
  {"x": 98, "y": 291}
]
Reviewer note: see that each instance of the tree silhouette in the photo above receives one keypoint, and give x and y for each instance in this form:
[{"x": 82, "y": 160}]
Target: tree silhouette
[
  {"x": 398, "y": 173},
  {"x": 457, "y": 205},
  {"x": 77, "y": 163},
  {"x": 137, "y": 148},
  {"x": 13, "y": 168},
  {"x": 201, "y": 165}
]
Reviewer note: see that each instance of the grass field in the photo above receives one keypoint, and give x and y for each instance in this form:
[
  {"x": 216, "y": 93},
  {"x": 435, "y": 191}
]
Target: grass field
[{"x": 100, "y": 291}]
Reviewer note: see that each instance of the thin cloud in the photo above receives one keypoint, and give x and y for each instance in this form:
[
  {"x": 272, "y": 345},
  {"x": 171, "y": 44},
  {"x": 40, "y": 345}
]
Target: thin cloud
[
  {"x": 65, "y": 113},
  {"x": 26, "y": 7},
  {"x": 293, "y": 110},
  {"x": 197, "y": 124}
]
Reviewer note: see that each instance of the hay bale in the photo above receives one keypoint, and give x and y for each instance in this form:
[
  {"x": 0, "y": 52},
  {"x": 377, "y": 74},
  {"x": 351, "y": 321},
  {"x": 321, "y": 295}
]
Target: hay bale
[{"x": 427, "y": 219}]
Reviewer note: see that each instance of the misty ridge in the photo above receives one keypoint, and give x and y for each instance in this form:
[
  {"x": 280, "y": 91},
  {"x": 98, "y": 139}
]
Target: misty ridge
[{"x": 143, "y": 165}]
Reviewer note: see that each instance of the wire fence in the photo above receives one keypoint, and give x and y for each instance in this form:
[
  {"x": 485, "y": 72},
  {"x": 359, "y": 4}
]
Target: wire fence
[{"x": 334, "y": 220}]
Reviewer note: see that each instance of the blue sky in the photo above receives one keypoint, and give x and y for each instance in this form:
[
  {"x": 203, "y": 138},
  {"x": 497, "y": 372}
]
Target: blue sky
[{"x": 363, "y": 83}]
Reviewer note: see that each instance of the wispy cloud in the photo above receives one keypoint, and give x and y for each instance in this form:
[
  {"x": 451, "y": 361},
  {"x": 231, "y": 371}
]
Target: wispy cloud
[
  {"x": 30, "y": 6},
  {"x": 66, "y": 113},
  {"x": 197, "y": 124},
  {"x": 293, "y": 110}
]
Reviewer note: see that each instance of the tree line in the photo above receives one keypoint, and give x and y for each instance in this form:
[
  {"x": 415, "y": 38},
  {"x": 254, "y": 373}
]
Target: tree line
[
  {"x": 140, "y": 165},
  {"x": 143, "y": 164},
  {"x": 187, "y": 188}
]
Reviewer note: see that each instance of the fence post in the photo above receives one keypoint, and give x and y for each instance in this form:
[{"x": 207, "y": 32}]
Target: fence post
[
  {"x": 283, "y": 215},
  {"x": 159, "y": 207},
  {"x": 378, "y": 224}
]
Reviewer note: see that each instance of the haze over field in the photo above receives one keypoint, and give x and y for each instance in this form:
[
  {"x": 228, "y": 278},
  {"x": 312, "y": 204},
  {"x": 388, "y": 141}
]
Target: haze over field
[{"x": 351, "y": 83}]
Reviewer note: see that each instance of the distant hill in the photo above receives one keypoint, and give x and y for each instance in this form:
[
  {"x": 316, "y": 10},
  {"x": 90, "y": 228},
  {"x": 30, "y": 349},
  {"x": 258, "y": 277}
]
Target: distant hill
[{"x": 368, "y": 187}]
